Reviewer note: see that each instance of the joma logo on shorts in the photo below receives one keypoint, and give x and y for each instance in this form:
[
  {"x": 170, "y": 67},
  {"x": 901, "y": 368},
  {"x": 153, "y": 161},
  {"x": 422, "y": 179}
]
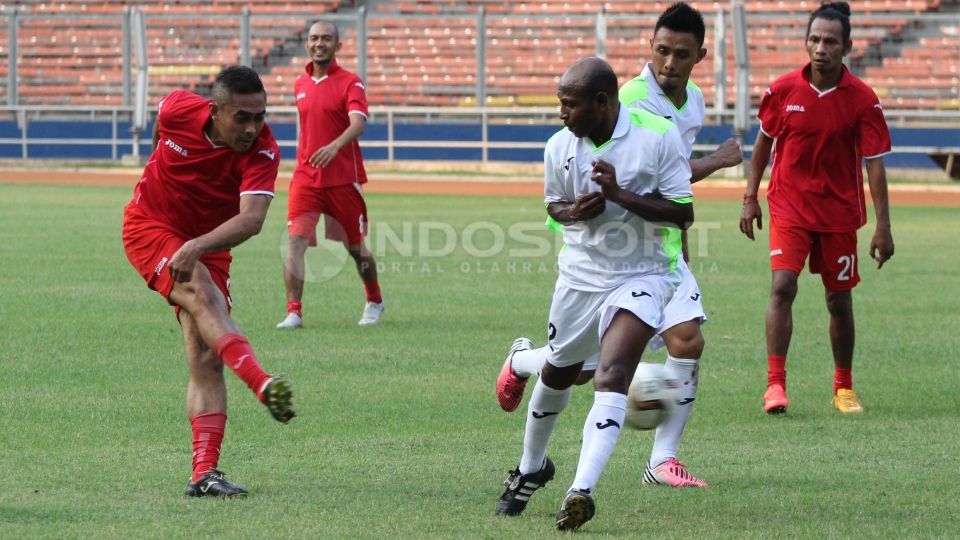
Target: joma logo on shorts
[
  {"x": 776, "y": 252},
  {"x": 176, "y": 147},
  {"x": 160, "y": 266},
  {"x": 795, "y": 108}
]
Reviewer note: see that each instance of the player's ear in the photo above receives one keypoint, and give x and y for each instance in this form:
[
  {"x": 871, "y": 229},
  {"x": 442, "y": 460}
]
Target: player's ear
[
  {"x": 701, "y": 54},
  {"x": 847, "y": 47},
  {"x": 214, "y": 109}
]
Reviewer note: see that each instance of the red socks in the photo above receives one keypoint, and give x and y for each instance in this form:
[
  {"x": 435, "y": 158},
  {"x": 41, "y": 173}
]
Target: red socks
[
  {"x": 235, "y": 351},
  {"x": 295, "y": 306},
  {"x": 842, "y": 378},
  {"x": 373, "y": 291},
  {"x": 207, "y": 435},
  {"x": 777, "y": 370}
]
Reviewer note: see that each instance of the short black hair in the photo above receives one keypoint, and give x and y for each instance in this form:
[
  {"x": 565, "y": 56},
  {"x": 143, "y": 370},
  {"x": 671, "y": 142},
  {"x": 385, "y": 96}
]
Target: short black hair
[
  {"x": 833, "y": 11},
  {"x": 236, "y": 80},
  {"x": 681, "y": 17}
]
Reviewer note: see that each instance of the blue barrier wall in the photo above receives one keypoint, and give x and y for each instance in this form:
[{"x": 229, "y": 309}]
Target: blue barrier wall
[{"x": 410, "y": 132}]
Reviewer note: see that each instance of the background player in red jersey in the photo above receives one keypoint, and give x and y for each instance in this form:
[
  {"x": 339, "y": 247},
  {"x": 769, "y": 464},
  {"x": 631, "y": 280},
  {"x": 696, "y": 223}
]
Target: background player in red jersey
[
  {"x": 821, "y": 122},
  {"x": 206, "y": 188},
  {"x": 332, "y": 104}
]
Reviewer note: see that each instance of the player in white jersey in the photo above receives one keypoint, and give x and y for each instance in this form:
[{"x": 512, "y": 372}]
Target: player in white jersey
[
  {"x": 662, "y": 88},
  {"x": 619, "y": 182}
]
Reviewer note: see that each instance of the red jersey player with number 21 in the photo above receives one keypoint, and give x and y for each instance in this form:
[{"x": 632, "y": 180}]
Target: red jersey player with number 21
[{"x": 821, "y": 123}]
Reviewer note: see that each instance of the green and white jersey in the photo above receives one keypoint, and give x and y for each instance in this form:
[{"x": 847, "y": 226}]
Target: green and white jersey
[
  {"x": 644, "y": 92},
  {"x": 604, "y": 252}
]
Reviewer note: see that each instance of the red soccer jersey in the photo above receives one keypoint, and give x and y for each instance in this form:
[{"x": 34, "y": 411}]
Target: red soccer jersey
[
  {"x": 193, "y": 185},
  {"x": 325, "y": 106},
  {"x": 820, "y": 139}
]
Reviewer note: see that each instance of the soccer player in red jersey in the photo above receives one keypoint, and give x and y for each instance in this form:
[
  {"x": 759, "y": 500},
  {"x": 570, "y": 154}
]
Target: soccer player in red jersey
[
  {"x": 205, "y": 189},
  {"x": 821, "y": 123},
  {"x": 332, "y": 104}
]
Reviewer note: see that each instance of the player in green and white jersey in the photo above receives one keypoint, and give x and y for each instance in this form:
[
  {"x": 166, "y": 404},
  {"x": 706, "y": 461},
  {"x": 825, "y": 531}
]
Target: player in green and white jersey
[{"x": 664, "y": 89}]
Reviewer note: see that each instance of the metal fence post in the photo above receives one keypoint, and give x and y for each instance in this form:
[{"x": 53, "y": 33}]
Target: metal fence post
[
  {"x": 481, "y": 57},
  {"x": 601, "y": 33},
  {"x": 720, "y": 61},
  {"x": 362, "y": 43},
  {"x": 245, "y": 36},
  {"x": 741, "y": 110},
  {"x": 127, "y": 66},
  {"x": 12, "y": 23}
]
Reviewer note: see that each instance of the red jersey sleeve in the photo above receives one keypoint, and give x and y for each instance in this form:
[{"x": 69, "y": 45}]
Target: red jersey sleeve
[
  {"x": 259, "y": 174},
  {"x": 771, "y": 113},
  {"x": 170, "y": 110},
  {"x": 357, "y": 97},
  {"x": 873, "y": 132}
]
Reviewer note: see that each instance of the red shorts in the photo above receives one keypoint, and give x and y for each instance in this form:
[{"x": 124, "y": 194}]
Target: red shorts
[
  {"x": 832, "y": 255},
  {"x": 343, "y": 206},
  {"x": 150, "y": 244}
]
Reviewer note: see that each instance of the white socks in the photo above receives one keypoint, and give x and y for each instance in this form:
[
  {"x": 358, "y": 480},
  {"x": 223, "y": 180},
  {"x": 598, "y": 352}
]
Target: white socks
[
  {"x": 600, "y": 434},
  {"x": 527, "y": 363},
  {"x": 545, "y": 406},
  {"x": 668, "y": 434}
]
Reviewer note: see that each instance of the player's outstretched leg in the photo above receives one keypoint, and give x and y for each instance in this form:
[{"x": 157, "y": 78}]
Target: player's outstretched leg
[
  {"x": 510, "y": 386},
  {"x": 213, "y": 484},
  {"x": 521, "y": 486},
  {"x": 577, "y": 508}
]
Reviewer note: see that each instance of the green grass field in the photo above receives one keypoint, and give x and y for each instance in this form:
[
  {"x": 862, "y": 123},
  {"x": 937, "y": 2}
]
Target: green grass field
[{"x": 399, "y": 433}]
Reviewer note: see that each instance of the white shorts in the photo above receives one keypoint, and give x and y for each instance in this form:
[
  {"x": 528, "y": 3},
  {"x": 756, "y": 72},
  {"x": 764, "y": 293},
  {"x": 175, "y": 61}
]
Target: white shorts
[
  {"x": 685, "y": 305},
  {"x": 578, "y": 319}
]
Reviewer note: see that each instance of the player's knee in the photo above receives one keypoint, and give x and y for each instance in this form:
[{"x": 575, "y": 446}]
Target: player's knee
[
  {"x": 783, "y": 290},
  {"x": 612, "y": 378},
  {"x": 839, "y": 302},
  {"x": 583, "y": 378},
  {"x": 201, "y": 298},
  {"x": 685, "y": 341}
]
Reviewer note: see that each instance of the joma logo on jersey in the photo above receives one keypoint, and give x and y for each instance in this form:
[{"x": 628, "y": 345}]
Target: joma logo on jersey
[
  {"x": 795, "y": 108},
  {"x": 176, "y": 147},
  {"x": 301, "y": 95}
]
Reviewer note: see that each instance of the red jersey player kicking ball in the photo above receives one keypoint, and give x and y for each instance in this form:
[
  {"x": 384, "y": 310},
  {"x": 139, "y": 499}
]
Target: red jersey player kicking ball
[{"x": 206, "y": 189}]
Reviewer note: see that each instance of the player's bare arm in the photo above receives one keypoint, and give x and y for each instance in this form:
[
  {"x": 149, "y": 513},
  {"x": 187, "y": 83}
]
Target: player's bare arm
[
  {"x": 726, "y": 155},
  {"x": 323, "y": 156},
  {"x": 751, "y": 206},
  {"x": 655, "y": 209},
  {"x": 585, "y": 207},
  {"x": 231, "y": 233},
  {"x": 881, "y": 245}
]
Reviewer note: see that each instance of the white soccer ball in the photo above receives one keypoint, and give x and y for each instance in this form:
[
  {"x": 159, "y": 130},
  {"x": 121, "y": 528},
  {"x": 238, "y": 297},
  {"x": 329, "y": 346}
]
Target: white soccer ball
[{"x": 652, "y": 397}]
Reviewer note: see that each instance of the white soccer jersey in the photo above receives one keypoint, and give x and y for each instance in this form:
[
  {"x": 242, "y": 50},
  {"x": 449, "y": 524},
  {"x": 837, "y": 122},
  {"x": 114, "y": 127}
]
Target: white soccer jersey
[
  {"x": 644, "y": 92},
  {"x": 604, "y": 252}
]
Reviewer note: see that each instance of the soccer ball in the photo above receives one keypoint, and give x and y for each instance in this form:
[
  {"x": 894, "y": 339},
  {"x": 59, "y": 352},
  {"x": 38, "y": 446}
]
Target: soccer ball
[{"x": 652, "y": 397}]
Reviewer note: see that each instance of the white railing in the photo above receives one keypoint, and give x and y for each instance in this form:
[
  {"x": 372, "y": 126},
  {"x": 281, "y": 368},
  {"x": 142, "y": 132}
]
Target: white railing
[{"x": 396, "y": 116}]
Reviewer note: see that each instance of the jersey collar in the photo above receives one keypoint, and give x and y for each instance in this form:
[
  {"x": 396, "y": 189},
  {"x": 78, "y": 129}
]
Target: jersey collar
[
  {"x": 844, "y": 78},
  {"x": 333, "y": 68}
]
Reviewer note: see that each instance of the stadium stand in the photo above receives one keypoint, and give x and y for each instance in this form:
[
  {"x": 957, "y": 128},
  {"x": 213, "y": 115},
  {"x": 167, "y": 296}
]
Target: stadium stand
[{"x": 423, "y": 52}]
